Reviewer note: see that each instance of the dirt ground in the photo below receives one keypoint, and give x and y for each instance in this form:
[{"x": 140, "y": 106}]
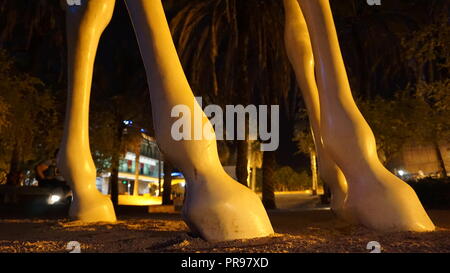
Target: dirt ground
[{"x": 296, "y": 231}]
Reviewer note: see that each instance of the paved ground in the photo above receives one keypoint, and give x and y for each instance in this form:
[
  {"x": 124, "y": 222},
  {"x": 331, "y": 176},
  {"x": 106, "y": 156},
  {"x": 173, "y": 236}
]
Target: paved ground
[
  {"x": 297, "y": 201},
  {"x": 297, "y": 230}
]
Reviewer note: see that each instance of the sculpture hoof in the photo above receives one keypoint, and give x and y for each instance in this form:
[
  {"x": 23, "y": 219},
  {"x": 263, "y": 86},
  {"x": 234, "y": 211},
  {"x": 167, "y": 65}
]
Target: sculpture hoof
[
  {"x": 392, "y": 206},
  {"x": 95, "y": 209},
  {"x": 225, "y": 213}
]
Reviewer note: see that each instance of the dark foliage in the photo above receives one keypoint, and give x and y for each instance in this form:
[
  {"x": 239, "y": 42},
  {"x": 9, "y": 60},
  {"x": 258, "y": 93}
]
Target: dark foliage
[{"x": 433, "y": 193}]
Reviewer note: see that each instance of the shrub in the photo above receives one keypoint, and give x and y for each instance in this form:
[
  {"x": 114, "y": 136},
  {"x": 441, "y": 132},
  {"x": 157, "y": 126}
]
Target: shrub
[
  {"x": 287, "y": 179},
  {"x": 433, "y": 193}
]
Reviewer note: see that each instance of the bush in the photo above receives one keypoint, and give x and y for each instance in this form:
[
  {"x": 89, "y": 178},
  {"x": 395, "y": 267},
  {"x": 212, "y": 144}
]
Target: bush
[
  {"x": 287, "y": 179},
  {"x": 433, "y": 193}
]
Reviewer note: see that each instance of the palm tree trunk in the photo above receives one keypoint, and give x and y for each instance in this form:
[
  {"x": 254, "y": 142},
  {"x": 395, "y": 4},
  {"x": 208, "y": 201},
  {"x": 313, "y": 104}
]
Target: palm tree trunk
[
  {"x": 137, "y": 169},
  {"x": 312, "y": 155},
  {"x": 167, "y": 184},
  {"x": 114, "y": 179},
  {"x": 115, "y": 161},
  {"x": 268, "y": 166},
  {"x": 13, "y": 177},
  {"x": 242, "y": 162},
  {"x": 440, "y": 159}
]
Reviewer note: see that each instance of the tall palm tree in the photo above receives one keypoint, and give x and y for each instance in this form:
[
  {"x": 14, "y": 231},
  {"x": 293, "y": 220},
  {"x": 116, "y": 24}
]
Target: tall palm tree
[
  {"x": 36, "y": 30},
  {"x": 371, "y": 40}
]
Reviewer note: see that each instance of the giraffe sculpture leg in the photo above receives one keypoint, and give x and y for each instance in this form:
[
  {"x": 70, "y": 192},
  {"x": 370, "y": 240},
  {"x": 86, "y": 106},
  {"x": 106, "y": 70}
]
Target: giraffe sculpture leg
[
  {"x": 376, "y": 198},
  {"x": 85, "y": 24},
  {"x": 216, "y": 206},
  {"x": 299, "y": 50}
]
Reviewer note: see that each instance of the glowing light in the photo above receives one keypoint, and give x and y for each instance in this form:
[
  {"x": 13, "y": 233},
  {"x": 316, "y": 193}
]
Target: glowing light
[
  {"x": 53, "y": 199},
  {"x": 142, "y": 159},
  {"x": 401, "y": 172}
]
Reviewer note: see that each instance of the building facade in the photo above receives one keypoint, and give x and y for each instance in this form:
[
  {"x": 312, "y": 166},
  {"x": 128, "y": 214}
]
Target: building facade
[{"x": 149, "y": 175}]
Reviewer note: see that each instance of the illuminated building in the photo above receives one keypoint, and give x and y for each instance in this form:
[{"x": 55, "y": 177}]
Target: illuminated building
[{"x": 150, "y": 176}]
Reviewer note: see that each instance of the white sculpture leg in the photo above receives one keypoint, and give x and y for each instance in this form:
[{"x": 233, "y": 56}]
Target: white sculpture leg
[
  {"x": 216, "y": 207},
  {"x": 299, "y": 50},
  {"x": 85, "y": 24},
  {"x": 376, "y": 197}
]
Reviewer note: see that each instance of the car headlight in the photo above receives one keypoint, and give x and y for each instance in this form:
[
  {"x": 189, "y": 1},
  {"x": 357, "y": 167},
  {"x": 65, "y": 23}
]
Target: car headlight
[{"x": 53, "y": 199}]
